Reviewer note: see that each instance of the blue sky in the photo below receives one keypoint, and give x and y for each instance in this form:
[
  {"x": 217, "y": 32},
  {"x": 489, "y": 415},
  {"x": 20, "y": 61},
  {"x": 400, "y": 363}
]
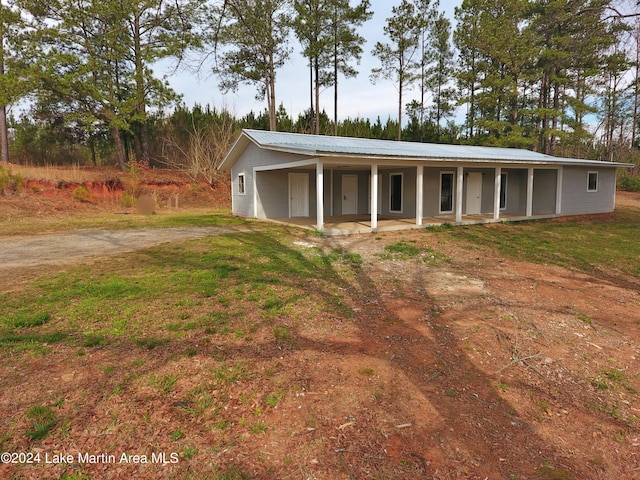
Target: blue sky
[{"x": 357, "y": 96}]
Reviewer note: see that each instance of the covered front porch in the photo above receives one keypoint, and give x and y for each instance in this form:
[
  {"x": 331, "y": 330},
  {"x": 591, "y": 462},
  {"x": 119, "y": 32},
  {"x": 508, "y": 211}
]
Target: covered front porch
[{"x": 338, "y": 198}]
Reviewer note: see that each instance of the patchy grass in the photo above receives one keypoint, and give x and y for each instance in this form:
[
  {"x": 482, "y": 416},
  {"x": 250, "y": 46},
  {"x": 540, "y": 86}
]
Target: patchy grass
[
  {"x": 609, "y": 243},
  {"x": 204, "y": 287},
  {"x": 404, "y": 250}
]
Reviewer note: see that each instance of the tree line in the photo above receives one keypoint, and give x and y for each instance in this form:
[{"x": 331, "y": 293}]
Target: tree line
[{"x": 556, "y": 76}]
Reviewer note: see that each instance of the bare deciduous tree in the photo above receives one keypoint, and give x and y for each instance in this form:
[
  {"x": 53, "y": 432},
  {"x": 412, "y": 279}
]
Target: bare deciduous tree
[{"x": 204, "y": 150}]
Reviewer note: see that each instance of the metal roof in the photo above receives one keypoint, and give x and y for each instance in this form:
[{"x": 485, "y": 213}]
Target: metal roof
[{"x": 329, "y": 146}]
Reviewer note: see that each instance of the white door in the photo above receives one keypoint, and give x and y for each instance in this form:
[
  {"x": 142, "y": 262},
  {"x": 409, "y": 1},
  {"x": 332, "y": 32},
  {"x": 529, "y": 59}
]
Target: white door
[
  {"x": 474, "y": 193},
  {"x": 298, "y": 194},
  {"x": 349, "y": 194}
]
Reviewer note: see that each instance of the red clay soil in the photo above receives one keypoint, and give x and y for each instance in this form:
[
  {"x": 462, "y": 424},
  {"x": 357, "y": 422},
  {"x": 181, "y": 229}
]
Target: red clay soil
[{"x": 107, "y": 190}]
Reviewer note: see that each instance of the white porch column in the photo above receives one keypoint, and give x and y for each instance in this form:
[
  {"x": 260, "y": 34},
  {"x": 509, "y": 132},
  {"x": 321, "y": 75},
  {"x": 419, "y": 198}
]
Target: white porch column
[
  {"x": 530, "y": 192},
  {"x": 559, "y": 191},
  {"x": 374, "y": 196},
  {"x": 320, "y": 195},
  {"x": 419, "y": 193},
  {"x": 255, "y": 194},
  {"x": 496, "y": 194},
  {"x": 459, "y": 190}
]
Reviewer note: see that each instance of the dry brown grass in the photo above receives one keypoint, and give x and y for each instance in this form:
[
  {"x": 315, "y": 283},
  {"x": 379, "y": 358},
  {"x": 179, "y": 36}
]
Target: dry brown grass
[{"x": 56, "y": 174}]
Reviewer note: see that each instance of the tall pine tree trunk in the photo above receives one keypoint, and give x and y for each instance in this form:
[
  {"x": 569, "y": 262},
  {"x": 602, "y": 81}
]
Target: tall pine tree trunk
[
  {"x": 4, "y": 135},
  {"x": 316, "y": 65},
  {"x": 117, "y": 140},
  {"x": 271, "y": 95},
  {"x": 141, "y": 96},
  {"x": 335, "y": 89},
  {"x": 4, "y": 131}
]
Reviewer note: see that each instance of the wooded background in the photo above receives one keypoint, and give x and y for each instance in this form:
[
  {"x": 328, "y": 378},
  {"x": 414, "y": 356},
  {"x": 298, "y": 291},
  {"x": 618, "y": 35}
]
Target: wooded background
[{"x": 555, "y": 76}]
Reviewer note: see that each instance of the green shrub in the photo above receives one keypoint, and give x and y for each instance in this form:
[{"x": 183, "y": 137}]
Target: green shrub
[
  {"x": 630, "y": 183},
  {"x": 10, "y": 182},
  {"x": 128, "y": 200},
  {"x": 82, "y": 194}
]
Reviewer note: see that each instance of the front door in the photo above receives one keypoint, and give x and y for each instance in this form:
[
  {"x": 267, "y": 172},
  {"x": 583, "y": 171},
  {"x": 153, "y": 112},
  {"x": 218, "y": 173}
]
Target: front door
[
  {"x": 298, "y": 194},
  {"x": 349, "y": 194},
  {"x": 474, "y": 193}
]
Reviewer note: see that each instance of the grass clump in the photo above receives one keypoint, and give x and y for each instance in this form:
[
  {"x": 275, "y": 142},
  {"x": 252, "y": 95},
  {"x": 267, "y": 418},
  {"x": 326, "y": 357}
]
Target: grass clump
[
  {"x": 163, "y": 382},
  {"x": 10, "y": 182},
  {"x": 28, "y": 319},
  {"x": 42, "y": 420},
  {"x": 282, "y": 333},
  {"x": 94, "y": 340},
  {"x": 403, "y": 250}
]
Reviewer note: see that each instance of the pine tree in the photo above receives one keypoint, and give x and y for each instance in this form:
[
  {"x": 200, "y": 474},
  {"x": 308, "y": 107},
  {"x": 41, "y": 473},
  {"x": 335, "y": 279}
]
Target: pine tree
[
  {"x": 399, "y": 58},
  {"x": 252, "y": 37},
  {"x": 13, "y": 84},
  {"x": 345, "y": 44},
  {"x": 440, "y": 73}
]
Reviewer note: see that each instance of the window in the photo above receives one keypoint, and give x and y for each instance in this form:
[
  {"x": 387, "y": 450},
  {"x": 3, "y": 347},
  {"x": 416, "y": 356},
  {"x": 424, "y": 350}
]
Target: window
[
  {"x": 241, "y": 188},
  {"x": 592, "y": 182},
  {"x": 503, "y": 191},
  {"x": 395, "y": 192},
  {"x": 446, "y": 192}
]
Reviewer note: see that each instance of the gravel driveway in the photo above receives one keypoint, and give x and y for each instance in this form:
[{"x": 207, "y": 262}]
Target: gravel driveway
[{"x": 67, "y": 247}]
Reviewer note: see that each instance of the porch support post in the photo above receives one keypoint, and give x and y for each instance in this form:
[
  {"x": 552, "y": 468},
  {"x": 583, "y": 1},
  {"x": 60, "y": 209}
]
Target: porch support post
[
  {"x": 559, "y": 191},
  {"x": 496, "y": 194},
  {"x": 374, "y": 196},
  {"x": 530, "y": 192},
  {"x": 320, "y": 195},
  {"x": 419, "y": 193},
  {"x": 255, "y": 194},
  {"x": 459, "y": 190}
]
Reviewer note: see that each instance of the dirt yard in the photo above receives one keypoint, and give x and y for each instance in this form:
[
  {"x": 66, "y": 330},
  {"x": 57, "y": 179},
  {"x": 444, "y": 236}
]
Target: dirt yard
[{"x": 481, "y": 368}]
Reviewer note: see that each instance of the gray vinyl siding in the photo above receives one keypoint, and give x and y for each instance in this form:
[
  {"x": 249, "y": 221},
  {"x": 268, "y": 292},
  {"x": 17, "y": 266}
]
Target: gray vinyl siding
[
  {"x": 273, "y": 187},
  {"x": 488, "y": 187},
  {"x": 431, "y": 189},
  {"x": 576, "y": 200},
  {"x": 363, "y": 191},
  {"x": 516, "y": 190},
  {"x": 273, "y": 194},
  {"x": 544, "y": 191},
  {"x": 408, "y": 191},
  {"x": 254, "y": 156}
]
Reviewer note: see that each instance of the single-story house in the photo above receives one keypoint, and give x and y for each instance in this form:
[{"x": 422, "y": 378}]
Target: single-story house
[{"x": 341, "y": 185}]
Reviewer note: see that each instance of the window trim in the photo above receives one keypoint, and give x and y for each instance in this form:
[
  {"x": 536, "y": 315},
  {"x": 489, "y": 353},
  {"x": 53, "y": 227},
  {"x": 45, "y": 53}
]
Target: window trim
[
  {"x": 401, "y": 175},
  {"x": 242, "y": 184},
  {"x": 589, "y": 189},
  {"x": 453, "y": 191},
  {"x": 503, "y": 189}
]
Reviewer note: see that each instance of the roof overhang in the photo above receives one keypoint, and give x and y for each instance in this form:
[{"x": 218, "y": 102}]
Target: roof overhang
[{"x": 362, "y": 151}]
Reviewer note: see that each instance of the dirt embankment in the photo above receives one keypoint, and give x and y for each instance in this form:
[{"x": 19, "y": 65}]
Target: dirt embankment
[{"x": 52, "y": 191}]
